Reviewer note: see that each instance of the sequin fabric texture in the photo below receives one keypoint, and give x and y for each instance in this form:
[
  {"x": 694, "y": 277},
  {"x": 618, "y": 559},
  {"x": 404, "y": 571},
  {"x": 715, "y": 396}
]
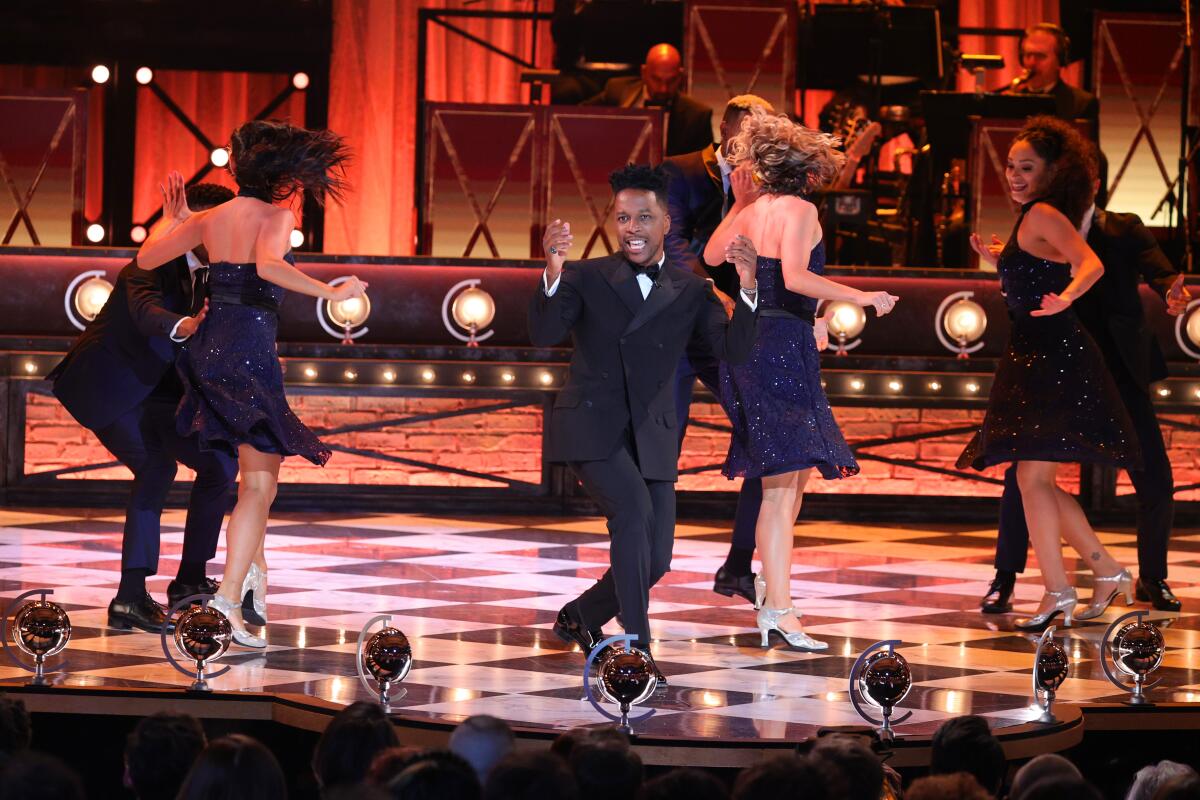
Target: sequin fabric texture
[
  {"x": 232, "y": 379},
  {"x": 780, "y": 416},
  {"x": 1053, "y": 398}
]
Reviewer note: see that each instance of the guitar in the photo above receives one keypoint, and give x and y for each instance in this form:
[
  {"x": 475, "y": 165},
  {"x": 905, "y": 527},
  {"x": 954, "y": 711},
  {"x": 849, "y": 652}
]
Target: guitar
[{"x": 858, "y": 146}]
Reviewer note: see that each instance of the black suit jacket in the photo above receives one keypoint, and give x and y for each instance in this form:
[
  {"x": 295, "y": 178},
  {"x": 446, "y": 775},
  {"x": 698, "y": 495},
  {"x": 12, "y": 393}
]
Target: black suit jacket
[
  {"x": 695, "y": 199},
  {"x": 626, "y": 351},
  {"x": 1075, "y": 103},
  {"x": 126, "y": 351},
  {"x": 689, "y": 127},
  {"x": 1112, "y": 309}
]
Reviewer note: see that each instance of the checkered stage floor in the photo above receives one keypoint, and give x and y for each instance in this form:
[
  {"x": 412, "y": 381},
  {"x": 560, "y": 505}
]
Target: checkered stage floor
[{"x": 477, "y": 597}]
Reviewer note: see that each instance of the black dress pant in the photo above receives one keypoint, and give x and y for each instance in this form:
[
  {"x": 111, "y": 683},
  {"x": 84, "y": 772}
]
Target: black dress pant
[
  {"x": 641, "y": 529},
  {"x": 1153, "y": 485}
]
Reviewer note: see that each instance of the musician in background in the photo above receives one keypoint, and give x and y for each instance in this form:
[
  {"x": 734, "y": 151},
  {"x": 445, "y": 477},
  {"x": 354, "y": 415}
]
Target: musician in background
[{"x": 1045, "y": 49}]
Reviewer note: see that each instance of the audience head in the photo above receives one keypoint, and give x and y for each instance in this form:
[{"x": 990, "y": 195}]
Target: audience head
[
  {"x": 531, "y": 776},
  {"x": 662, "y": 74},
  {"x": 736, "y": 110},
  {"x": 353, "y": 738},
  {"x": 435, "y": 775},
  {"x": 30, "y": 775},
  {"x": 605, "y": 769},
  {"x": 852, "y": 767},
  {"x": 482, "y": 740},
  {"x": 1150, "y": 779},
  {"x": 1045, "y": 49},
  {"x": 784, "y": 776},
  {"x": 954, "y": 786},
  {"x": 1049, "y": 160},
  {"x": 640, "y": 212},
  {"x": 234, "y": 766},
  {"x": 1181, "y": 787},
  {"x": 16, "y": 732},
  {"x": 274, "y": 160},
  {"x": 1061, "y": 787},
  {"x": 390, "y": 763},
  {"x": 1047, "y": 765},
  {"x": 966, "y": 744},
  {"x": 159, "y": 752},
  {"x": 686, "y": 784},
  {"x": 785, "y": 157}
]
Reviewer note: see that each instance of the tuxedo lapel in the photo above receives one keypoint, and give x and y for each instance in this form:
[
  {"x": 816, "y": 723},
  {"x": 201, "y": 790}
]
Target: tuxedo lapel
[
  {"x": 668, "y": 289},
  {"x": 621, "y": 278}
]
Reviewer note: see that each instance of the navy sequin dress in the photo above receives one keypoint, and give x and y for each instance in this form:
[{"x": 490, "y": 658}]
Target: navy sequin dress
[
  {"x": 1052, "y": 398},
  {"x": 781, "y": 418},
  {"x": 232, "y": 379}
]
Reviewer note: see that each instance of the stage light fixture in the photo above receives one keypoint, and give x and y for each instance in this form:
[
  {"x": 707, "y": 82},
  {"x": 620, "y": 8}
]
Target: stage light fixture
[
  {"x": 972, "y": 387},
  {"x": 546, "y": 378},
  {"x": 350, "y": 375},
  {"x": 508, "y": 377},
  {"x": 101, "y": 74},
  {"x": 895, "y": 385},
  {"x": 144, "y": 75},
  {"x": 138, "y": 234},
  {"x": 1164, "y": 391},
  {"x": 30, "y": 367},
  {"x": 389, "y": 375},
  {"x": 468, "y": 377},
  {"x": 300, "y": 80},
  {"x": 310, "y": 372},
  {"x": 297, "y": 238},
  {"x": 219, "y": 157},
  {"x": 934, "y": 386},
  {"x": 90, "y": 297},
  {"x": 473, "y": 310},
  {"x": 95, "y": 233},
  {"x": 964, "y": 322},
  {"x": 428, "y": 375},
  {"x": 846, "y": 321},
  {"x": 857, "y": 384}
]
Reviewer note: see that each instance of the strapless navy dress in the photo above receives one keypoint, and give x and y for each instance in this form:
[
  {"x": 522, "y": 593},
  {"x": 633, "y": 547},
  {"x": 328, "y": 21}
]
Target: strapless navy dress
[
  {"x": 781, "y": 418},
  {"x": 232, "y": 379},
  {"x": 1052, "y": 397}
]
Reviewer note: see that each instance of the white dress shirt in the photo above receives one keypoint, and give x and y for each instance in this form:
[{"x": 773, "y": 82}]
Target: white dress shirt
[
  {"x": 1086, "y": 226},
  {"x": 644, "y": 283},
  {"x": 193, "y": 265}
]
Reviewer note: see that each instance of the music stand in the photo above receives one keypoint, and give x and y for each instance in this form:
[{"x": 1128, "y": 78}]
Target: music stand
[{"x": 948, "y": 124}]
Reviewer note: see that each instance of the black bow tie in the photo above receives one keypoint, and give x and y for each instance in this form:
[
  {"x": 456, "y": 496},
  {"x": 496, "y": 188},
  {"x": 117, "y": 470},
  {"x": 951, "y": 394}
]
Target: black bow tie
[{"x": 650, "y": 272}]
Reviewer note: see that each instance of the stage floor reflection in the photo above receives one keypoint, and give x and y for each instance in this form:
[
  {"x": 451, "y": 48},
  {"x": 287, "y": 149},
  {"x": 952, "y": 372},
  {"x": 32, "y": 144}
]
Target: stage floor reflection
[{"x": 477, "y": 597}]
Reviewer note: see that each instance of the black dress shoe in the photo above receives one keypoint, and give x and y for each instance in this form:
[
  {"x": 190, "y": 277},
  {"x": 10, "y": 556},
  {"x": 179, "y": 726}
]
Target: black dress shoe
[
  {"x": 658, "y": 675},
  {"x": 176, "y": 591},
  {"x": 728, "y": 584},
  {"x": 144, "y": 614},
  {"x": 1157, "y": 593},
  {"x": 998, "y": 599},
  {"x": 571, "y": 629}
]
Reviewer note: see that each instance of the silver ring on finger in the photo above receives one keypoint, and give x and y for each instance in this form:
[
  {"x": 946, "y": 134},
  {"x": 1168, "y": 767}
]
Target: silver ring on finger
[{"x": 553, "y": 251}]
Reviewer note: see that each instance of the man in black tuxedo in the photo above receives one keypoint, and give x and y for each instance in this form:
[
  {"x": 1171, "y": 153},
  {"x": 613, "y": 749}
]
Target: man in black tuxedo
[
  {"x": 688, "y": 121},
  {"x": 1112, "y": 313},
  {"x": 1045, "y": 50},
  {"x": 698, "y": 197},
  {"x": 119, "y": 380},
  {"x": 630, "y": 317}
]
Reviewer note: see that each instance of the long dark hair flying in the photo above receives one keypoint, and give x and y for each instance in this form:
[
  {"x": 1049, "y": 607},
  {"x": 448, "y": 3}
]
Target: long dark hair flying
[
  {"x": 1070, "y": 162},
  {"x": 273, "y": 160}
]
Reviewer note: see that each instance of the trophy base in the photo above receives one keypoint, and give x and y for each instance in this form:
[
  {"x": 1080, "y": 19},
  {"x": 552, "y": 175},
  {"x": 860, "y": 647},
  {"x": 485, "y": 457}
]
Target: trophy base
[
  {"x": 1139, "y": 700},
  {"x": 1047, "y": 718},
  {"x": 38, "y": 680},
  {"x": 199, "y": 686}
]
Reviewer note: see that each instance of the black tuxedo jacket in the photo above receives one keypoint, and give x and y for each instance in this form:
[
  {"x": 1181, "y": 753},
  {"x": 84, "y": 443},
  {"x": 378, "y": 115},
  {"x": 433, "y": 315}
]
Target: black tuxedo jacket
[
  {"x": 1075, "y": 103},
  {"x": 1112, "y": 309},
  {"x": 695, "y": 198},
  {"x": 126, "y": 351},
  {"x": 689, "y": 127},
  {"x": 626, "y": 351}
]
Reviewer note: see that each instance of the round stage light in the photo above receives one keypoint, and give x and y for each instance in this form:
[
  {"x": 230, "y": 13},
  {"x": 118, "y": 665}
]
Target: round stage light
[
  {"x": 428, "y": 375},
  {"x": 972, "y": 387},
  {"x": 389, "y": 375},
  {"x": 297, "y": 238},
  {"x": 473, "y": 310},
  {"x": 90, "y": 297},
  {"x": 138, "y": 234},
  {"x": 1164, "y": 391},
  {"x": 964, "y": 322},
  {"x": 507, "y": 377},
  {"x": 30, "y": 367},
  {"x": 95, "y": 233},
  {"x": 219, "y": 157},
  {"x": 1193, "y": 327},
  {"x": 350, "y": 375},
  {"x": 468, "y": 377},
  {"x": 349, "y": 313},
  {"x": 101, "y": 74},
  {"x": 846, "y": 320},
  {"x": 546, "y": 378},
  {"x": 144, "y": 75},
  {"x": 310, "y": 372},
  {"x": 935, "y": 386},
  {"x": 895, "y": 385},
  {"x": 857, "y": 384},
  {"x": 300, "y": 80}
]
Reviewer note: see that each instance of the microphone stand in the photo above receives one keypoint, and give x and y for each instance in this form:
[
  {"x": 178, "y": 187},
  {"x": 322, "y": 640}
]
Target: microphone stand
[{"x": 1186, "y": 149}]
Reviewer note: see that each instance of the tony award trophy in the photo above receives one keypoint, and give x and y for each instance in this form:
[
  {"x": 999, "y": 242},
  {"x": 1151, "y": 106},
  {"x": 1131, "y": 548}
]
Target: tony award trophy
[
  {"x": 202, "y": 635},
  {"x": 881, "y": 677},
  {"x": 1051, "y": 666},
  {"x": 1136, "y": 649},
  {"x": 41, "y": 629},
  {"x": 624, "y": 677},
  {"x": 387, "y": 656}
]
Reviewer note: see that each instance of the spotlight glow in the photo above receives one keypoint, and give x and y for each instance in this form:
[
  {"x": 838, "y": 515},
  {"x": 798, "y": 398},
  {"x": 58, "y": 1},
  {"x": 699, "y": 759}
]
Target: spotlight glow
[
  {"x": 428, "y": 375},
  {"x": 138, "y": 234},
  {"x": 546, "y": 378},
  {"x": 219, "y": 157},
  {"x": 310, "y": 372},
  {"x": 300, "y": 80},
  {"x": 895, "y": 385},
  {"x": 30, "y": 367},
  {"x": 972, "y": 387},
  {"x": 101, "y": 73},
  {"x": 144, "y": 75},
  {"x": 297, "y": 238},
  {"x": 95, "y": 233},
  {"x": 91, "y": 296},
  {"x": 857, "y": 384},
  {"x": 507, "y": 377},
  {"x": 389, "y": 375},
  {"x": 934, "y": 386},
  {"x": 468, "y": 377},
  {"x": 350, "y": 375},
  {"x": 1164, "y": 391}
]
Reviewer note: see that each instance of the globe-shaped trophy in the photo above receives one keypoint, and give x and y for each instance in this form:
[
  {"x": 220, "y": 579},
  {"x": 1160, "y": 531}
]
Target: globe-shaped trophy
[
  {"x": 202, "y": 635},
  {"x": 882, "y": 678},
  {"x": 1051, "y": 666},
  {"x": 623, "y": 676},
  {"x": 40, "y": 629},
  {"x": 1135, "y": 648},
  {"x": 386, "y": 656}
]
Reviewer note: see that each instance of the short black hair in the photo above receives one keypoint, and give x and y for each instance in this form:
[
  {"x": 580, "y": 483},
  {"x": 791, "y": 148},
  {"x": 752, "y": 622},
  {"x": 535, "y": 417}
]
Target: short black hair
[
  {"x": 436, "y": 775},
  {"x": 686, "y": 784},
  {"x": 160, "y": 751},
  {"x": 605, "y": 770},
  {"x": 966, "y": 744},
  {"x": 33, "y": 774},
  {"x": 351, "y": 740},
  {"x": 531, "y": 776},
  {"x": 852, "y": 765},
  {"x": 1062, "y": 42},
  {"x": 206, "y": 195},
  {"x": 234, "y": 763},
  {"x": 783, "y": 776},
  {"x": 641, "y": 177}
]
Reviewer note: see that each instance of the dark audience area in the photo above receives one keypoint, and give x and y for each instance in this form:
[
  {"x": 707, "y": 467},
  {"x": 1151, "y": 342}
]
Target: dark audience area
[{"x": 361, "y": 756}]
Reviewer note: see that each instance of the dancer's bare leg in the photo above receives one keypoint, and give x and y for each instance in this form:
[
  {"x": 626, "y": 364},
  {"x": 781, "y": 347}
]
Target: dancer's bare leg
[
  {"x": 782, "y": 495},
  {"x": 247, "y": 528},
  {"x": 1042, "y": 516}
]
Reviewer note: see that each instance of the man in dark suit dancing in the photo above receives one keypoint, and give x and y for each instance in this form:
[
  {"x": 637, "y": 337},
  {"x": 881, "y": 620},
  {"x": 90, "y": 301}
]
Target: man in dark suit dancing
[
  {"x": 688, "y": 121},
  {"x": 698, "y": 197},
  {"x": 118, "y": 380},
  {"x": 630, "y": 317},
  {"x": 1112, "y": 313}
]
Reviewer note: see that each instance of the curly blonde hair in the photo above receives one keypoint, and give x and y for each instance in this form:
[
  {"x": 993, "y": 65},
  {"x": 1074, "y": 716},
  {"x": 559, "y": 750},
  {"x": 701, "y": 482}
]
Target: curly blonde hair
[{"x": 787, "y": 158}]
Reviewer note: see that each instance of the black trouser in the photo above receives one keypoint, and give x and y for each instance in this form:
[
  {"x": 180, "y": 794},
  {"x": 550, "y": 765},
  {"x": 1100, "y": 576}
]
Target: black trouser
[
  {"x": 641, "y": 528},
  {"x": 1153, "y": 485}
]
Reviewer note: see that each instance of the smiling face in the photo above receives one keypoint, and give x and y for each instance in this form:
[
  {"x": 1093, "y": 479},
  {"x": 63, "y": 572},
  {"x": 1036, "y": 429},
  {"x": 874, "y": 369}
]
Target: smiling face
[
  {"x": 1027, "y": 172},
  {"x": 642, "y": 225}
]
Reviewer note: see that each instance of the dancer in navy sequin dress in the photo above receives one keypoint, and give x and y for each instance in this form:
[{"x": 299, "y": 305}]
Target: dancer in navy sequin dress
[
  {"x": 1053, "y": 399},
  {"x": 783, "y": 427},
  {"x": 233, "y": 385}
]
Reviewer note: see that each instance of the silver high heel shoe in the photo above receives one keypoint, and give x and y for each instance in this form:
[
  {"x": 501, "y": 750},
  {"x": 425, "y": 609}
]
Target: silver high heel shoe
[
  {"x": 760, "y": 591},
  {"x": 254, "y": 595},
  {"x": 234, "y": 614},
  {"x": 1105, "y": 592},
  {"x": 1053, "y": 604},
  {"x": 768, "y": 620}
]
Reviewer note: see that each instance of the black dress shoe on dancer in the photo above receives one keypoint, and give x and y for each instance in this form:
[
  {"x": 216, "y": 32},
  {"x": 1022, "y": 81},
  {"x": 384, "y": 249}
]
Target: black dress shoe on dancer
[
  {"x": 658, "y": 675},
  {"x": 998, "y": 599},
  {"x": 729, "y": 585},
  {"x": 1157, "y": 593},
  {"x": 571, "y": 629},
  {"x": 144, "y": 614},
  {"x": 176, "y": 591}
]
